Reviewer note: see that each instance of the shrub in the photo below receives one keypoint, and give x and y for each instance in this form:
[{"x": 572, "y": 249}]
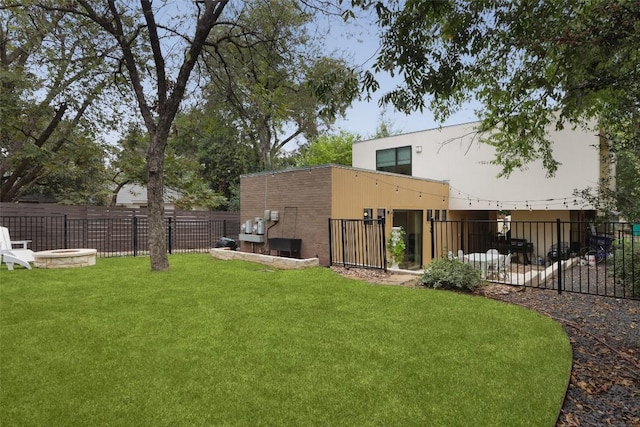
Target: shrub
[
  {"x": 451, "y": 274},
  {"x": 626, "y": 265},
  {"x": 396, "y": 245}
]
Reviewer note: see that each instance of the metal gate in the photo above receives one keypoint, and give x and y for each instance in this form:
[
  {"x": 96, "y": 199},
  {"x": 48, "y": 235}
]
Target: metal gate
[{"x": 357, "y": 243}]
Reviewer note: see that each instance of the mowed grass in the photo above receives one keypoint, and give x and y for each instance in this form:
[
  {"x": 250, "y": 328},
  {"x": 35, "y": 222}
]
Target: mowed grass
[{"x": 233, "y": 343}]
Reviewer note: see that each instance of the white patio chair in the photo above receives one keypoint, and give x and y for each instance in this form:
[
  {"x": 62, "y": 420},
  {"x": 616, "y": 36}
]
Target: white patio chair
[
  {"x": 504, "y": 271},
  {"x": 10, "y": 255},
  {"x": 493, "y": 267}
]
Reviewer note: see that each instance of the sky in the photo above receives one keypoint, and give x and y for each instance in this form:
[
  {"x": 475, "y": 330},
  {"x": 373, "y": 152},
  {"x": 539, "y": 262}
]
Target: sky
[{"x": 359, "y": 41}]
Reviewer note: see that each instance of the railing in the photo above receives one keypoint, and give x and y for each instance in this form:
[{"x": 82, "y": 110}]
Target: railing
[
  {"x": 567, "y": 256},
  {"x": 357, "y": 243},
  {"x": 117, "y": 236}
]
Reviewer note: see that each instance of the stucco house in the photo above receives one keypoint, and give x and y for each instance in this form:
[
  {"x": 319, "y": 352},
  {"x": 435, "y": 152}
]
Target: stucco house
[
  {"x": 455, "y": 155},
  {"x": 419, "y": 178}
]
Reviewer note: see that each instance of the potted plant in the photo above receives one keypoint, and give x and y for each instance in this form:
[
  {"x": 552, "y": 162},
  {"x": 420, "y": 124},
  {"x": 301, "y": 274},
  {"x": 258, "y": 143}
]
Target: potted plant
[{"x": 396, "y": 246}]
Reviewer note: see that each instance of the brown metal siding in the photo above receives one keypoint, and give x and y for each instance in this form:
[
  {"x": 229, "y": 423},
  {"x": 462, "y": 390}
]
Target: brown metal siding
[{"x": 354, "y": 190}]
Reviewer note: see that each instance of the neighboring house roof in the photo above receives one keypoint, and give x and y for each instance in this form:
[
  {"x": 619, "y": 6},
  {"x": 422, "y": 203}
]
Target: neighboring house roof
[
  {"x": 455, "y": 154},
  {"x": 135, "y": 195}
]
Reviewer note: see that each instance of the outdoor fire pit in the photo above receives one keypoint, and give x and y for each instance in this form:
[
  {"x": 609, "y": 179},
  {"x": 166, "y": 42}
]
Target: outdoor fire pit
[{"x": 65, "y": 258}]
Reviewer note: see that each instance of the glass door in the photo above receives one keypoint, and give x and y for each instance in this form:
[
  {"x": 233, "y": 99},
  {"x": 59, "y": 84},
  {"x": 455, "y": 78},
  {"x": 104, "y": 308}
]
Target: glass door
[{"x": 411, "y": 222}]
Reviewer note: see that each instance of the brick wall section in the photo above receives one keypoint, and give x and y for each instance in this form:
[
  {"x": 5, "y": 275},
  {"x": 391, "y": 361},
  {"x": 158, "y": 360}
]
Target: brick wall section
[{"x": 303, "y": 199}]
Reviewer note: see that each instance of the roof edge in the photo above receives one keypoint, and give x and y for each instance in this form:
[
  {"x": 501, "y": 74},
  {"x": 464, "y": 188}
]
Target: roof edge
[{"x": 336, "y": 166}]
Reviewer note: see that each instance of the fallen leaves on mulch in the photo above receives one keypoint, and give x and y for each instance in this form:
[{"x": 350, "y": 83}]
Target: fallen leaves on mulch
[
  {"x": 368, "y": 274},
  {"x": 605, "y": 379},
  {"x": 604, "y": 388}
]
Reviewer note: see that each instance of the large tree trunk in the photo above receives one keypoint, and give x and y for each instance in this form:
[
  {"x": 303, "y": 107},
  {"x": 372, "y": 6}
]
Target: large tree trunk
[
  {"x": 168, "y": 94},
  {"x": 155, "y": 200}
]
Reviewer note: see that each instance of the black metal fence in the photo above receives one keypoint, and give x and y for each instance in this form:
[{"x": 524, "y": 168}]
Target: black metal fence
[
  {"x": 118, "y": 236},
  {"x": 567, "y": 256},
  {"x": 357, "y": 243}
]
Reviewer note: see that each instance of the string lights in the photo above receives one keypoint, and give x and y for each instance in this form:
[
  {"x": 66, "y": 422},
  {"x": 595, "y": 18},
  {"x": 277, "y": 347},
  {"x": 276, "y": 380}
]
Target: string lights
[{"x": 483, "y": 203}]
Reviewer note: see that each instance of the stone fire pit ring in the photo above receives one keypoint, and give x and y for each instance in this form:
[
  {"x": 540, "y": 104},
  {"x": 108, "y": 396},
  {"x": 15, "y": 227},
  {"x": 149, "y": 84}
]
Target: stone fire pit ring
[{"x": 65, "y": 258}]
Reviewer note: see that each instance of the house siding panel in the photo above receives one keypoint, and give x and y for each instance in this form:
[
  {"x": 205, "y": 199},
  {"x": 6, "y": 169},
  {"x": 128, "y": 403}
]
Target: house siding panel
[{"x": 354, "y": 190}]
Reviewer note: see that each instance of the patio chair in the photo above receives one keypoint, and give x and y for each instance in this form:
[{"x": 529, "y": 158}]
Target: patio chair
[
  {"x": 504, "y": 270},
  {"x": 10, "y": 255},
  {"x": 493, "y": 267}
]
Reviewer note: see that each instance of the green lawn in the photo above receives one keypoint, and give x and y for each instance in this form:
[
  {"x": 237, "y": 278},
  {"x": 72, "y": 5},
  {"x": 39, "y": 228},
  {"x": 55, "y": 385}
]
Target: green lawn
[{"x": 233, "y": 343}]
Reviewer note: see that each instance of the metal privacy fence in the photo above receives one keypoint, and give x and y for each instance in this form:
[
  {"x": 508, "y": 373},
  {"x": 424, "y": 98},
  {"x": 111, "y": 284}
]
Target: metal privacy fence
[
  {"x": 567, "y": 256},
  {"x": 117, "y": 236},
  {"x": 357, "y": 243}
]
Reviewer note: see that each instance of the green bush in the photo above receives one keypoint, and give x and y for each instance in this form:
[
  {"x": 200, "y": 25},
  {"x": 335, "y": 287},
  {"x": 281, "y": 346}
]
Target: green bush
[
  {"x": 451, "y": 274},
  {"x": 626, "y": 265},
  {"x": 396, "y": 245}
]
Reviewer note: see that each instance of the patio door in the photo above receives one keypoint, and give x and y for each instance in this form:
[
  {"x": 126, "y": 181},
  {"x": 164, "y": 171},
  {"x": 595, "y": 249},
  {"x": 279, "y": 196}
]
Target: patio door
[{"x": 411, "y": 222}]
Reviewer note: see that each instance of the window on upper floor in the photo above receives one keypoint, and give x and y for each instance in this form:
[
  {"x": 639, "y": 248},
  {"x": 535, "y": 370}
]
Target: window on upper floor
[{"x": 396, "y": 160}]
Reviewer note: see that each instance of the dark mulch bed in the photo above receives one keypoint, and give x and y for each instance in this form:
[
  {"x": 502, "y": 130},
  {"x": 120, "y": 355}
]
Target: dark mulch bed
[
  {"x": 604, "y": 389},
  {"x": 605, "y": 336}
]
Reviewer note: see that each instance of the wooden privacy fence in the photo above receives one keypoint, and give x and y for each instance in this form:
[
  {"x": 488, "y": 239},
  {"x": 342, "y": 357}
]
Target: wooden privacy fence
[
  {"x": 114, "y": 231},
  {"x": 357, "y": 243}
]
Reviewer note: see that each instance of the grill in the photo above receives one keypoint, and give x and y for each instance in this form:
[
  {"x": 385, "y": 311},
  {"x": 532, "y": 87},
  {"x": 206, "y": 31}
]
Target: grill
[
  {"x": 282, "y": 244},
  {"x": 521, "y": 246}
]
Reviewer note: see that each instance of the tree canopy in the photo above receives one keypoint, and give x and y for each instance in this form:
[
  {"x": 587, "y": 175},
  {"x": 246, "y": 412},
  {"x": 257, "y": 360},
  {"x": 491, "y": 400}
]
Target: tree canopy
[
  {"x": 272, "y": 80},
  {"x": 205, "y": 137},
  {"x": 52, "y": 75},
  {"x": 60, "y": 58},
  {"x": 148, "y": 52},
  {"x": 529, "y": 64},
  {"x": 325, "y": 149}
]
